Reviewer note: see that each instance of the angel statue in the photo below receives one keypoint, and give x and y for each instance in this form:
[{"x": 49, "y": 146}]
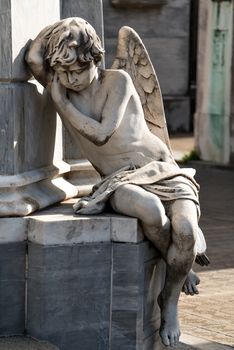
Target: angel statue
[{"x": 117, "y": 118}]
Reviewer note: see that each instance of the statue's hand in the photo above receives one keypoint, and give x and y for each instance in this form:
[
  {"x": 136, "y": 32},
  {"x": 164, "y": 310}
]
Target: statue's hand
[{"x": 58, "y": 91}]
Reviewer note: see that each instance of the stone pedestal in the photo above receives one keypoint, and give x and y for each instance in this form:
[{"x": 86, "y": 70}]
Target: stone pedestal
[
  {"x": 85, "y": 282},
  {"x": 93, "y": 282},
  {"x": 31, "y": 166},
  {"x": 12, "y": 275}
]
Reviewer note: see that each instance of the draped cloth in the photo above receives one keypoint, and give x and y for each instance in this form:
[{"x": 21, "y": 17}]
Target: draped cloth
[{"x": 167, "y": 181}]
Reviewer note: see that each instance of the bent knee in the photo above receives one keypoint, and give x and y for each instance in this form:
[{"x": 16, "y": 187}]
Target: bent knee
[{"x": 184, "y": 233}]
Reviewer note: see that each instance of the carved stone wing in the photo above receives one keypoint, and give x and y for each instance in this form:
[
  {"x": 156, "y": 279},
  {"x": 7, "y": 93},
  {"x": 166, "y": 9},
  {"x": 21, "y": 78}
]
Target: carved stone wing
[{"x": 133, "y": 57}]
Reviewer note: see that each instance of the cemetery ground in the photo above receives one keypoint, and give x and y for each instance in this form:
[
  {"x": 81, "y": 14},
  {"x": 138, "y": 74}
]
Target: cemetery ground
[{"x": 207, "y": 320}]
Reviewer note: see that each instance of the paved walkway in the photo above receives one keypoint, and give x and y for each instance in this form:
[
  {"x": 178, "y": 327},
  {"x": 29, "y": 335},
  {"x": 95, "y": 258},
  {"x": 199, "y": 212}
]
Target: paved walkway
[{"x": 209, "y": 317}]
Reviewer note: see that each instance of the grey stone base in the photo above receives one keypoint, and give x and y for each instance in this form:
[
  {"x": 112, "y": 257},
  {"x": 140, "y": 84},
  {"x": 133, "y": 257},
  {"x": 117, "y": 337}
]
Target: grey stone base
[
  {"x": 82, "y": 175},
  {"x": 92, "y": 281},
  {"x": 24, "y": 343},
  {"x": 94, "y": 296},
  {"x": 12, "y": 288},
  {"x": 23, "y": 200}
]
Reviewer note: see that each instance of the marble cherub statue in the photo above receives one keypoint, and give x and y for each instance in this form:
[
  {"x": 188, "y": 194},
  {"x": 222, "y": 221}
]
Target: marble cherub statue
[{"x": 117, "y": 118}]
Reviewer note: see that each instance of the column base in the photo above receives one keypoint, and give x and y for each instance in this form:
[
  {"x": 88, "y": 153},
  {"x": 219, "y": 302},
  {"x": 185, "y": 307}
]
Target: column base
[{"x": 21, "y": 201}]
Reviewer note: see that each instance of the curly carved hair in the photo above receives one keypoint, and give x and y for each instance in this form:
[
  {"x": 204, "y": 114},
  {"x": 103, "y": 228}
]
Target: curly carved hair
[{"x": 67, "y": 45}]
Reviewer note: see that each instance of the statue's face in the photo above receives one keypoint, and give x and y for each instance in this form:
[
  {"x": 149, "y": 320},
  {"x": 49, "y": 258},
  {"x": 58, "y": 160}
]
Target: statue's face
[{"x": 76, "y": 77}]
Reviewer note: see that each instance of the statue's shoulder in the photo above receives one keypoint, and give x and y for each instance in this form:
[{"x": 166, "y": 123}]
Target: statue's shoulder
[{"x": 116, "y": 76}]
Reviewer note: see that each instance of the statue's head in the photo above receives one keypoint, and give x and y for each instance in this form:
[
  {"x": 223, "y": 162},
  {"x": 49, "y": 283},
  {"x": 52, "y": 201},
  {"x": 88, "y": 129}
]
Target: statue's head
[
  {"x": 73, "y": 50},
  {"x": 73, "y": 40}
]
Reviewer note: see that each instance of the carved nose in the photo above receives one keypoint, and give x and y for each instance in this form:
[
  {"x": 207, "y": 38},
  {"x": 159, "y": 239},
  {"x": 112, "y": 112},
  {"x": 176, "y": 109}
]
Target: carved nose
[{"x": 71, "y": 79}]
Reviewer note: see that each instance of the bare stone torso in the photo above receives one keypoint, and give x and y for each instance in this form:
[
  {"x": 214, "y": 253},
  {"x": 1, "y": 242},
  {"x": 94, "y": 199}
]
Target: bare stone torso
[{"x": 131, "y": 144}]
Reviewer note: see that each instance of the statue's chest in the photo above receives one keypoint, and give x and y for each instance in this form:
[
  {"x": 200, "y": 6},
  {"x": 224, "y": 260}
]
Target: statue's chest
[{"x": 91, "y": 106}]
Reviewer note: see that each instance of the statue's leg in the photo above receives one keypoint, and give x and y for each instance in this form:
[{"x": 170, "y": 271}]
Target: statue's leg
[
  {"x": 180, "y": 257},
  {"x": 179, "y": 254},
  {"x": 134, "y": 201}
]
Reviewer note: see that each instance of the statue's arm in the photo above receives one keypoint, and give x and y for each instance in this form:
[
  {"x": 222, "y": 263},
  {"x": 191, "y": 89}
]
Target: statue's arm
[
  {"x": 35, "y": 58},
  {"x": 113, "y": 111}
]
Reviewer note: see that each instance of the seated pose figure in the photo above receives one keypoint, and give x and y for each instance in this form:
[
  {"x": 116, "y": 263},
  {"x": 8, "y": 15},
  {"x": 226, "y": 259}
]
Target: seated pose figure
[{"x": 106, "y": 115}]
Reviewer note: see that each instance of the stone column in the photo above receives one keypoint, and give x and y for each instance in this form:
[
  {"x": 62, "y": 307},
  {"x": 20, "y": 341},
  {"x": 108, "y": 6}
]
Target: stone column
[
  {"x": 31, "y": 165},
  {"x": 212, "y": 122},
  {"x": 232, "y": 100},
  {"x": 82, "y": 173}
]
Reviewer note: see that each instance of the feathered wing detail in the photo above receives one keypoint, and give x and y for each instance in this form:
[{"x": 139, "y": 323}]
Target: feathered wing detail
[{"x": 133, "y": 57}]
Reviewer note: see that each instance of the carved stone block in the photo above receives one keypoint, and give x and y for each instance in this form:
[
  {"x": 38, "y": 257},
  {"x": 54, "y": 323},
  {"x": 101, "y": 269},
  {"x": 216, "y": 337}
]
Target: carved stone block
[
  {"x": 12, "y": 275},
  {"x": 87, "y": 289}
]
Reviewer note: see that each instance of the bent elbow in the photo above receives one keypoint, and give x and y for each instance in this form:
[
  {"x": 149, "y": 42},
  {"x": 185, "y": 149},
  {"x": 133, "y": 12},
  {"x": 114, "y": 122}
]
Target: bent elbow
[{"x": 102, "y": 140}]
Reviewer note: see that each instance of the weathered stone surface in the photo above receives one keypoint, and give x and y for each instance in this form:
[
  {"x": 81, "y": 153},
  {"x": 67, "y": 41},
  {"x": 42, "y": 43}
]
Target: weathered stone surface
[
  {"x": 69, "y": 230},
  {"x": 83, "y": 291},
  {"x": 153, "y": 22},
  {"x": 13, "y": 230},
  {"x": 22, "y": 20},
  {"x": 177, "y": 111},
  {"x": 82, "y": 173},
  {"x": 81, "y": 303},
  {"x": 28, "y": 166},
  {"x": 12, "y": 291},
  {"x": 125, "y": 229},
  {"x": 91, "y": 11},
  {"x": 27, "y": 117},
  {"x": 30, "y": 131},
  {"x": 24, "y": 343},
  {"x": 59, "y": 225},
  {"x": 23, "y": 199},
  {"x": 168, "y": 45},
  {"x": 214, "y": 106},
  {"x": 137, "y": 280},
  {"x": 13, "y": 233},
  {"x": 74, "y": 286},
  {"x": 166, "y": 39}
]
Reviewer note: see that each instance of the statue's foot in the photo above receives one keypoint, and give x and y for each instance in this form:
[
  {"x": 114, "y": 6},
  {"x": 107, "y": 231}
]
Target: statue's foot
[
  {"x": 190, "y": 284},
  {"x": 170, "y": 329}
]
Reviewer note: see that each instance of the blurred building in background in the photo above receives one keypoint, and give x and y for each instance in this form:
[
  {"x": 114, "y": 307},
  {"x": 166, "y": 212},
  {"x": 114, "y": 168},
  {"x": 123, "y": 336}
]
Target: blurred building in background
[
  {"x": 191, "y": 46},
  {"x": 214, "y": 121},
  {"x": 168, "y": 29}
]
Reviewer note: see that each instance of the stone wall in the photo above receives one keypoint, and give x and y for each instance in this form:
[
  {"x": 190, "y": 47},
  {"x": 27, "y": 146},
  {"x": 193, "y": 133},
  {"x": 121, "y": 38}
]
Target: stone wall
[{"x": 165, "y": 33}]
